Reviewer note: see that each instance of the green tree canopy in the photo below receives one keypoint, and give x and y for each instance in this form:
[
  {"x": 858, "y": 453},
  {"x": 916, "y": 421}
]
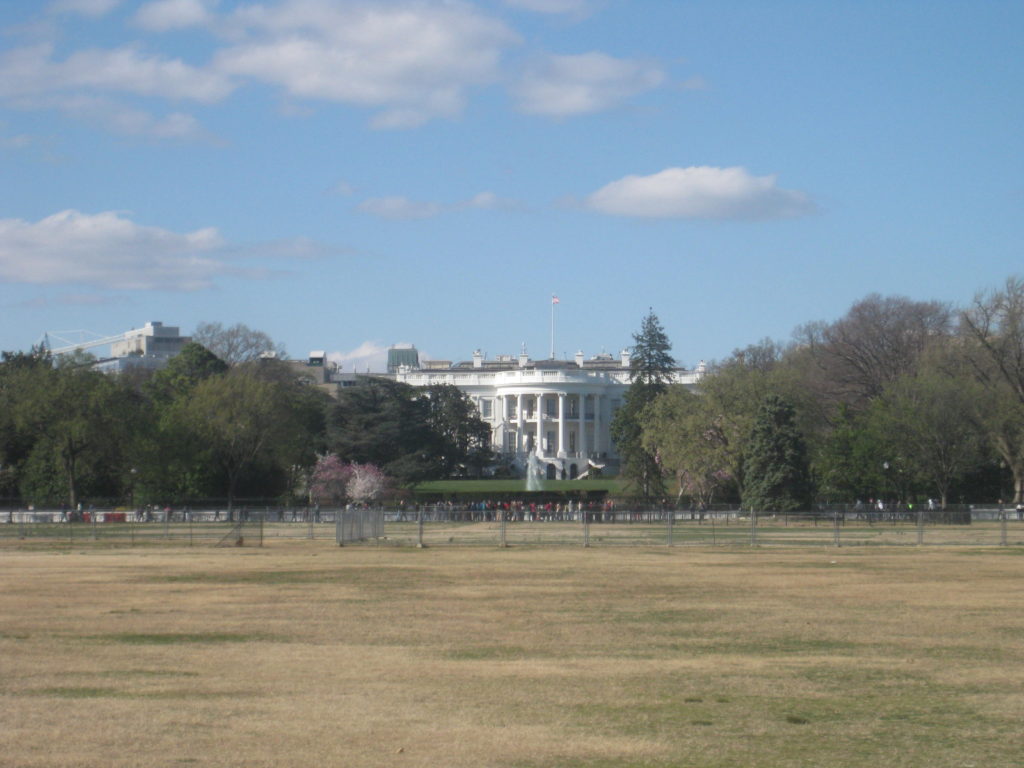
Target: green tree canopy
[
  {"x": 684, "y": 432},
  {"x": 777, "y": 477}
]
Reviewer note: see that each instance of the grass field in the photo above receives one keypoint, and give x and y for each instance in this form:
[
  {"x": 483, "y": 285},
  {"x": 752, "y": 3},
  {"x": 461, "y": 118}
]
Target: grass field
[{"x": 305, "y": 654}]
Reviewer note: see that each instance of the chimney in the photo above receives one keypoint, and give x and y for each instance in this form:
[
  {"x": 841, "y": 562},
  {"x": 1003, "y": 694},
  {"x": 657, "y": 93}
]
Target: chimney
[{"x": 478, "y": 359}]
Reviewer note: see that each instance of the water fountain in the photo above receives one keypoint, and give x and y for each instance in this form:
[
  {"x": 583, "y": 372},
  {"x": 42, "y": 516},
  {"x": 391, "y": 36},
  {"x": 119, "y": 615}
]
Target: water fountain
[{"x": 534, "y": 473}]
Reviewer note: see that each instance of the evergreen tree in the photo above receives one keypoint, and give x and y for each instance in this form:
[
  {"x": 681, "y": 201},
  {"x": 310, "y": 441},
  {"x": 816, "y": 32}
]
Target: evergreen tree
[
  {"x": 650, "y": 363},
  {"x": 776, "y": 472},
  {"x": 650, "y": 372}
]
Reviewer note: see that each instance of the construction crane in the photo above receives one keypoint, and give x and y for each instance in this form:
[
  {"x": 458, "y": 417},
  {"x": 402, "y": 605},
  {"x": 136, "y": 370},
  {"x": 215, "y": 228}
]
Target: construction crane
[{"x": 68, "y": 344}]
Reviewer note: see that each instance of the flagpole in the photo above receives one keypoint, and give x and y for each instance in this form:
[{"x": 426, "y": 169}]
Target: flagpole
[{"x": 554, "y": 301}]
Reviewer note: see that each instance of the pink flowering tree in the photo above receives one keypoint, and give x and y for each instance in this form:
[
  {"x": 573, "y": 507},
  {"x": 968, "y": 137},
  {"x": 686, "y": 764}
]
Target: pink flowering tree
[
  {"x": 367, "y": 482},
  {"x": 329, "y": 484}
]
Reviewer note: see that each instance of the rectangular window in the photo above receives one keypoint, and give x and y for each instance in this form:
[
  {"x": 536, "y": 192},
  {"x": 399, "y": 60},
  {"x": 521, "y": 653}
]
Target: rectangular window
[{"x": 485, "y": 408}]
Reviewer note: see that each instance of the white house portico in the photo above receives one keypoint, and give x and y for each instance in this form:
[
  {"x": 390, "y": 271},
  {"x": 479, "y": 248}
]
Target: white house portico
[{"x": 556, "y": 410}]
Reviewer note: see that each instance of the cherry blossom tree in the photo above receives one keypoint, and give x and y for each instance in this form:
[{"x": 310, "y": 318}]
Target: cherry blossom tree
[
  {"x": 367, "y": 482},
  {"x": 330, "y": 480}
]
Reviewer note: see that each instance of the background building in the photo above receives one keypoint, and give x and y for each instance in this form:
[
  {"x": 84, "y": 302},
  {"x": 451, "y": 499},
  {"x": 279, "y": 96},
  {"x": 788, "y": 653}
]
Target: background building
[{"x": 557, "y": 411}]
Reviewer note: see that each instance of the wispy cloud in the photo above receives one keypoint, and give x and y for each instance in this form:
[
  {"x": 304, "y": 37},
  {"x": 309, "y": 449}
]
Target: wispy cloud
[
  {"x": 399, "y": 207},
  {"x": 411, "y": 61},
  {"x": 577, "y": 7},
  {"x": 562, "y": 86},
  {"x": 84, "y": 7},
  {"x": 165, "y": 15},
  {"x": 109, "y": 251},
  {"x": 30, "y": 71},
  {"x": 368, "y": 356},
  {"x": 700, "y": 192}
]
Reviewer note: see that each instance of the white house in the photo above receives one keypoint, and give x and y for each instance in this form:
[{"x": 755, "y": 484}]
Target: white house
[{"x": 557, "y": 410}]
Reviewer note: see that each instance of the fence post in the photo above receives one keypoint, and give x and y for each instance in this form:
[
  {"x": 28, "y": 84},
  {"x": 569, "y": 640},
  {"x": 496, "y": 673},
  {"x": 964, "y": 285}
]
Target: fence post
[
  {"x": 920, "y": 527},
  {"x": 753, "y": 528},
  {"x": 501, "y": 530},
  {"x": 835, "y": 528},
  {"x": 419, "y": 529},
  {"x": 671, "y": 521},
  {"x": 586, "y": 529},
  {"x": 1002, "y": 528}
]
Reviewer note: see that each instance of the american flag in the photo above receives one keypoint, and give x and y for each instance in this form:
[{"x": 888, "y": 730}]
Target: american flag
[{"x": 554, "y": 299}]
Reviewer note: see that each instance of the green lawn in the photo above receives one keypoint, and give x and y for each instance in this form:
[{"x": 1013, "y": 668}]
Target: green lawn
[{"x": 612, "y": 485}]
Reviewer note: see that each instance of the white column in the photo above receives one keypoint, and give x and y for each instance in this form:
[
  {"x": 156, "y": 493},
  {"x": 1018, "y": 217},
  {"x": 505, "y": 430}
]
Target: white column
[
  {"x": 519, "y": 423},
  {"x": 581, "y": 438},
  {"x": 598, "y": 442},
  {"x": 561, "y": 425},
  {"x": 539, "y": 440},
  {"x": 499, "y": 423}
]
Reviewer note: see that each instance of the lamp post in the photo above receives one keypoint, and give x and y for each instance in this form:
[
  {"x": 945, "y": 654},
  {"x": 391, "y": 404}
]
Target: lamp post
[
  {"x": 886, "y": 466},
  {"x": 10, "y": 505},
  {"x": 131, "y": 488}
]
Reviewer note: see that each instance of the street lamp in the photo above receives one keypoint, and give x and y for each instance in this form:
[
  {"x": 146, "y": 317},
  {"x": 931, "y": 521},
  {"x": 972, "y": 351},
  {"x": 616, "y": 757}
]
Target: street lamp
[
  {"x": 886, "y": 466},
  {"x": 131, "y": 487}
]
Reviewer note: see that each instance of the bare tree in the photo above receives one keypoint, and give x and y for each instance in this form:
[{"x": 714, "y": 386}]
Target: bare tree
[
  {"x": 993, "y": 333},
  {"x": 237, "y": 344},
  {"x": 879, "y": 340}
]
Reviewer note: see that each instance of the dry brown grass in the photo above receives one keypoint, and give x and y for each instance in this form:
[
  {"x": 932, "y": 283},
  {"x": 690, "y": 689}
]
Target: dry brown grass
[{"x": 305, "y": 654}]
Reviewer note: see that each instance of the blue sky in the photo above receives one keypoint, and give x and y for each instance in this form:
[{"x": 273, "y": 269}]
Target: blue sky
[{"x": 349, "y": 175}]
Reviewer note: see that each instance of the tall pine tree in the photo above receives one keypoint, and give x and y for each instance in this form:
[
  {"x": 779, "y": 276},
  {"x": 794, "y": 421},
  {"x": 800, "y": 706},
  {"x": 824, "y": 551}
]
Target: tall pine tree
[{"x": 650, "y": 372}]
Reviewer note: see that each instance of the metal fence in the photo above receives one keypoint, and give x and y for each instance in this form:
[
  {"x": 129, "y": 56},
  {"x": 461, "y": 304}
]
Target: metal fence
[
  {"x": 516, "y": 526},
  {"x": 439, "y": 526},
  {"x": 353, "y": 525},
  {"x": 192, "y": 527}
]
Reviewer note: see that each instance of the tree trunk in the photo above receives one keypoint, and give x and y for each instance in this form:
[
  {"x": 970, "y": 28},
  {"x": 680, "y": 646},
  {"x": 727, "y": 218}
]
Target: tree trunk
[{"x": 69, "y": 470}]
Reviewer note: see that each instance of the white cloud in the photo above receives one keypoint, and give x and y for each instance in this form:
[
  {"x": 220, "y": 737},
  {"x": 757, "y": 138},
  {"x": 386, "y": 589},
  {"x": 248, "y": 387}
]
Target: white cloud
[
  {"x": 561, "y": 86},
  {"x": 488, "y": 201},
  {"x": 400, "y": 208},
  {"x": 370, "y": 355},
  {"x": 343, "y": 188},
  {"x": 403, "y": 208},
  {"x": 125, "y": 120},
  {"x": 413, "y": 61},
  {"x": 28, "y": 73},
  {"x": 549, "y": 6},
  {"x": 699, "y": 192},
  {"x": 165, "y": 15},
  {"x": 107, "y": 250},
  {"x": 84, "y": 7}
]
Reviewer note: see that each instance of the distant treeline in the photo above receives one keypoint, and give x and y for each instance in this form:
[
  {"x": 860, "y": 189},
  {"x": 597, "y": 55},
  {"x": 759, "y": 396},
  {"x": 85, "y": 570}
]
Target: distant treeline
[
  {"x": 898, "y": 401},
  {"x": 202, "y": 428}
]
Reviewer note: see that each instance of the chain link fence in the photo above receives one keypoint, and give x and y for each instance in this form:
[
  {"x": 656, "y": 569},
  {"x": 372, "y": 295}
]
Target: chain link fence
[
  {"x": 516, "y": 525},
  {"x": 608, "y": 526}
]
